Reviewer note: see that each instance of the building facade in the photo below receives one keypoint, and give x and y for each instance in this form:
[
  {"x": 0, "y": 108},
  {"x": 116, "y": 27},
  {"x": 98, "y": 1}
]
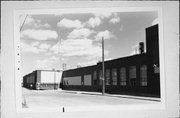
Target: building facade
[
  {"x": 42, "y": 79},
  {"x": 133, "y": 75}
]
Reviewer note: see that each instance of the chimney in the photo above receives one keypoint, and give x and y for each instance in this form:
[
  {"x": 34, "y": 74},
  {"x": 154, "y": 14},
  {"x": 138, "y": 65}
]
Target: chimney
[{"x": 141, "y": 47}]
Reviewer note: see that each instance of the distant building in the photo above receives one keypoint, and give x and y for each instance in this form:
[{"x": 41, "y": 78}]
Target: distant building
[
  {"x": 42, "y": 79},
  {"x": 135, "y": 75}
]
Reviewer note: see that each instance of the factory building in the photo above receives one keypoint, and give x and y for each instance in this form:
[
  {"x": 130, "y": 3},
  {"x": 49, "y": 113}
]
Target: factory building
[
  {"x": 42, "y": 79},
  {"x": 132, "y": 75}
]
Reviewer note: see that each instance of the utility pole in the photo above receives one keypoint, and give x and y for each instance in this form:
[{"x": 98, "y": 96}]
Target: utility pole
[{"x": 103, "y": 77}]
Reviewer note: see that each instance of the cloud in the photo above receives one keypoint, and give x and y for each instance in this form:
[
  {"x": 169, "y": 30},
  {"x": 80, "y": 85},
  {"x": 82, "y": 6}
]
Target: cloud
[
  {"x": 79, "y": 48},
  {"x": 30, "y": 48},
  {"x": 102, "y": 15},
  {"x": 93, "y": 22},
  {"x": 55, "y": 48},
  {"x": 80, "y": 33},
  {"x": 34, "y": 47},
  {"x": 83, "y": 64},
  {"x": 106, "y": 34},
  {"x": 155, "y": 21},
  {"x": 44, "y": 46},
  {"x": 30, "y": 21},
  {"x": 46, "y": 63},
  {"x": 121, "y": 28},
  {"x": 35, "y": 44},
  {"x": 39, "y": 34},
  {"x": 115, "y": 19},
  {"x": 67, "y": 23},
  {"x": 46, "y": 25},
  {"x": 135, "y": 49}
]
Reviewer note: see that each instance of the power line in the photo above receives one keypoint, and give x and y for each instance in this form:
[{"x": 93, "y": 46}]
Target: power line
[{"x": 23, "y": 23}]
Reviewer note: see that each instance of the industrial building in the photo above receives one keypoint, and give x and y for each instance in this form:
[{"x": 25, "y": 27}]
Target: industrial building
[
  {"x": 42, "y": 79},
  {"x": 133, "y": 75}
]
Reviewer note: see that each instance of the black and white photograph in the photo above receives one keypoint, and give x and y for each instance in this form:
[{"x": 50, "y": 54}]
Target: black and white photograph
[
  {"x": 82, "y": 59},
  {"x": 89, "y": 59}
]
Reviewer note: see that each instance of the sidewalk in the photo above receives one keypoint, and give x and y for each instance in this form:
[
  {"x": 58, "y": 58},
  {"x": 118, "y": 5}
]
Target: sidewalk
[{"x": 113, "y": 95}]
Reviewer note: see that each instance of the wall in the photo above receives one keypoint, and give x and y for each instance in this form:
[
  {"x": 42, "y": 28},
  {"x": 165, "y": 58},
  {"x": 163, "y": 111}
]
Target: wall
[
  {"x": 72, "y": 80},
  {"x": 87, "y": 80},
  {"x": 50, "y": 77},
  {"x": 171, "y": 54}
]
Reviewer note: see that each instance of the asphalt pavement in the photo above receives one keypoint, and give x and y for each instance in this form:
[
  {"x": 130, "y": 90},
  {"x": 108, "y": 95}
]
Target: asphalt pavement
[{"x": 59, "y": 98}]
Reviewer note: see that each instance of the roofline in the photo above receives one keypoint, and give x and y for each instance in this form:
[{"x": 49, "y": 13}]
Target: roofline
[{"x": 108, "y": 61}]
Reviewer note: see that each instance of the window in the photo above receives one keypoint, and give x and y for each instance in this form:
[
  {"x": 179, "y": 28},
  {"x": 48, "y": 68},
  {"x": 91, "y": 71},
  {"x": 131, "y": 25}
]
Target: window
[
  {"x": 123, "y": 76},
  {"x": 143, "y": 75},
  {"x": 114, "y": 76},
  {"x": 132, "y": 75},
  {"x": 94, "y": 78},
  {"x": 100, "y": 77},
  {"x": 30, "y": 79},
  {"x": 107, "y": 77}
]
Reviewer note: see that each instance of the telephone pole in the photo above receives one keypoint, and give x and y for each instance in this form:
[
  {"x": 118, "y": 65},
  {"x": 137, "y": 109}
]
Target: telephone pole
[{"x": 103, "y": 77}]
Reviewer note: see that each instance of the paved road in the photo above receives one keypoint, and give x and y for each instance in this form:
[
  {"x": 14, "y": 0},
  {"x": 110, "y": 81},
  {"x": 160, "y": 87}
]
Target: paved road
[{"x": 50, "y": 98}]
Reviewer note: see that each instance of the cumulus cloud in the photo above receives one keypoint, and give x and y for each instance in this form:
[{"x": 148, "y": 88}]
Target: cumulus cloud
[
  {"x": 121, "y": 28},
  {"x": 30, "y": 21},
  {"x": 115, "y": 19},
  {"x": 102, "y": 14},
  {"x": 44, "y": 46},
  {"x": 46, "y": 25},
  {"x": 67, "y": 23},
  {"x": 155, "y": 21},
  {"x": 46, "y": 63},
  {"x": 35, "y": 43},
  {"x": 80, "y": 33},
  {"x": 55, "y": 48},
  {"x": 39, "y": 34},
  {"x": 93, "y": 22},
  {"x": 79, "y": 47},
  {"x": 30, "y": 48},
  {"x": 34, "y": 47},
  {"x": 106, "y": 34},
  {"x": 135, "y": 49}
]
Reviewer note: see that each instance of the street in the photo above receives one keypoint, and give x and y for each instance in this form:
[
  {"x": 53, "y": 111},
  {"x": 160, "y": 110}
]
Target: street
[{"x": 57, "y": 98}]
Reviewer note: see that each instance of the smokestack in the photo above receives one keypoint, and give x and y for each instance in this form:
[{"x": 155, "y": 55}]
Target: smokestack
[{"x": 141, "y": 47}]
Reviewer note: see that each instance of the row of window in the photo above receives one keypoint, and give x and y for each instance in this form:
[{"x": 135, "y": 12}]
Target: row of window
[{"x": 123, "y": 76}]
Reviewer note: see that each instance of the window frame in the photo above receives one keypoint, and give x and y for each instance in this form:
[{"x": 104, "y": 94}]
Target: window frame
[
  {"x": 114, "y": 71},
  {"x": 132, "y": 76},
  {"x": 123, "y": 77},
  {"x": 143, "y": 75}
]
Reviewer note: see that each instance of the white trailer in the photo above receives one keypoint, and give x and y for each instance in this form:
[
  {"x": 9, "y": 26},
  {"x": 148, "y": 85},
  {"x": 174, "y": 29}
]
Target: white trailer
[{"x": 48, "y": 79}]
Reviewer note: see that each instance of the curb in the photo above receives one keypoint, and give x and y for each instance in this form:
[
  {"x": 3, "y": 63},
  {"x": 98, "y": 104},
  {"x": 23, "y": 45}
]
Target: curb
[{"x": 115, "y": 95}]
